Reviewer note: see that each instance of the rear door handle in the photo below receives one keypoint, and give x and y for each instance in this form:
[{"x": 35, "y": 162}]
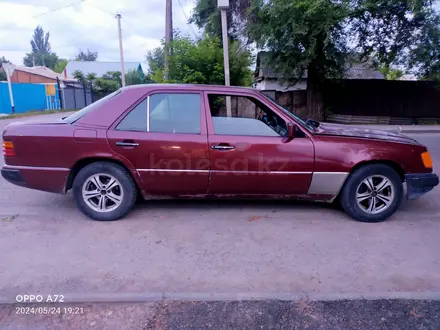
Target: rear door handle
[
  {"x": 222, "y": 147},
  {"x": 127, "y": 144}
]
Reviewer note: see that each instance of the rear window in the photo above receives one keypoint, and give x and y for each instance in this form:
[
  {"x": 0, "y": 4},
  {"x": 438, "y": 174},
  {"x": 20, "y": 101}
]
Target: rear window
[{"x": 84, "y": 111}]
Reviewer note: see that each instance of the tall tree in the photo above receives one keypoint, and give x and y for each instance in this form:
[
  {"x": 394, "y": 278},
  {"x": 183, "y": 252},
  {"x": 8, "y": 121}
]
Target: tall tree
[
  {"x": 3, "y": 73},
  {"x": 424, "y": 57},
  {"x": 319, "y": 37},
  {"x": 78, "y": 75},
  {"x": 86, "y": 56},
  {"x": 41, "y": 53},
  {"x": 206, "y": 15}
]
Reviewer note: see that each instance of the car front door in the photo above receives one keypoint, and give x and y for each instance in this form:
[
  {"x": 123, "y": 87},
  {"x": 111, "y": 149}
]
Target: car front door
[
  {"x": 165, "y": 138},
  {"x": 250, "y": 153}
]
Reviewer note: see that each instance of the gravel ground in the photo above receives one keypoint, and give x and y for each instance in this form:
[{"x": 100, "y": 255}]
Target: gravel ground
[{"x": 274, "y": 314}]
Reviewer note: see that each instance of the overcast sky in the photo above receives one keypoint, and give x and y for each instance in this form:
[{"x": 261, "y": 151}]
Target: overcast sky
[{"x": 88, "y": 24}]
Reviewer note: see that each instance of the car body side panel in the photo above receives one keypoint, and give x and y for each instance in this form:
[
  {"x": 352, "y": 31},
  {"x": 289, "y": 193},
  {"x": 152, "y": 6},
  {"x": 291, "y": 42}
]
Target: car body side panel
[
  {"x": 341, "y": 154},
  {"x": 259, "y": 164},
  {"x": 169, "y": 163},
  {"x": 45, "y": 154}
]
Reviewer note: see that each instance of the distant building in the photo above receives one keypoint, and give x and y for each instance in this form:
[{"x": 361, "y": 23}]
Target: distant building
[
  {"x": 35, "y": 75},
  {"x": 101, "y": 68},
  {"x": 268, "y": 79}
]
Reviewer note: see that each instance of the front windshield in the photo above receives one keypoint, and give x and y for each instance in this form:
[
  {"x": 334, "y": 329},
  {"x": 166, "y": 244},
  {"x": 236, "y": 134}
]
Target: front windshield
[
  {"x": 81, "y": 113},
  {"x": 300, "y": 120}
]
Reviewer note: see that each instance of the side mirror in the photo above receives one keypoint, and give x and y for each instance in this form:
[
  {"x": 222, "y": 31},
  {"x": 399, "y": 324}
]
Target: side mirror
[{"x": 291, "y": 130}]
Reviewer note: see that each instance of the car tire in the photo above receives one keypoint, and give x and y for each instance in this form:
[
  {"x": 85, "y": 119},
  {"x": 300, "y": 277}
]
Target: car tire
[
  {"x": 372, "y": 205},
  {"x": 114, "y": 200}
]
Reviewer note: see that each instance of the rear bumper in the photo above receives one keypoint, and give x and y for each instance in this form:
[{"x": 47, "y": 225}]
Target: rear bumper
[
  {"x": 420, "y": 184},
  {"x": 13, "y": 176},
  {"x": 51, "y": 179}
]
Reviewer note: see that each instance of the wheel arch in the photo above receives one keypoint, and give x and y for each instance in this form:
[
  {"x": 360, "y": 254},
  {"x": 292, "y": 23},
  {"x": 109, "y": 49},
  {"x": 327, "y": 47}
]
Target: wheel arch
[
  {"x": 395, "y": 166},
  {"x": 80, "y": 164}
]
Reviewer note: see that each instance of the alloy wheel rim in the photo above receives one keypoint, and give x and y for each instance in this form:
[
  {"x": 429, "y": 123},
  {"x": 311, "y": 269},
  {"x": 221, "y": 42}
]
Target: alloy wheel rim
[
  {"x": 102, "y": 192},
  {"x": 375, "y": 194}
]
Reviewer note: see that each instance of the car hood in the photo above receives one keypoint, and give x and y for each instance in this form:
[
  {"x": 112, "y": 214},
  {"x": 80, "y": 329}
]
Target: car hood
[{"x": 362, "y": 132}]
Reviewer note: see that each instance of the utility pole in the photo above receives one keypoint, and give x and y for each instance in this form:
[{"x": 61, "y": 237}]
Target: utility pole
[
  {"x": 121, "y": 50},
  {"x": 224, "y": 5},
  {"x": 168, "y": 36},
  {"x": 9, "y": 70}
]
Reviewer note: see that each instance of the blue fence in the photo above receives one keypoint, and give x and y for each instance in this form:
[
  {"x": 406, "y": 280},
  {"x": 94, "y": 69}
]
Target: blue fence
[{"x": 27, "y": 97}]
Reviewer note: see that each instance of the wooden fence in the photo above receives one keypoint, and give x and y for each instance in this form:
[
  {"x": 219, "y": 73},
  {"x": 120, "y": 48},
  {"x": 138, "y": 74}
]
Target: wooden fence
[{"x": 372, "y": 102}]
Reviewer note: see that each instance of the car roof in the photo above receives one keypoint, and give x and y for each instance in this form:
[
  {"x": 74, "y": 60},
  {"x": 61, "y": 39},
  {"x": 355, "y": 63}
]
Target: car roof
[{"x": 189, "y": 87}]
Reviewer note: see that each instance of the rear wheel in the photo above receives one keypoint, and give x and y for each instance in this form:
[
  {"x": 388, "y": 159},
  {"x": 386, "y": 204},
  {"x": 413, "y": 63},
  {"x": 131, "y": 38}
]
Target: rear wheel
[
  {"x": 372, "y": 193},
  {"x": 104, "y": 191}
]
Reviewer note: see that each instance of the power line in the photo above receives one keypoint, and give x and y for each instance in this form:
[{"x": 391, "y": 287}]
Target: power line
[
  {"x": 187, "y": 20},
  {"x": 102, "y": 9},
  {"x": 57, "y": 9}
]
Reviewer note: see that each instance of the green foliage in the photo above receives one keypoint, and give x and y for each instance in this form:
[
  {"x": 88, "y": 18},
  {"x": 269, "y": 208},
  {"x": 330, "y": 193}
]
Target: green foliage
[
  {"x": 206, "y": 15},
  {"x": 4, "y": 60},
  {"x": 106, "y": 86},
  {"x": 388, "y": 28},
  {"x": 3, "y": 73},
  {"x": 425, "y": 55},
  {"x": 134, "y": 77},
  {"x": 201, "y": 62},
  {"x": 41, "y": 52},
  {"x": 60, "y": 65},
  {"x": 321, "y": 36},
  {"x": 301, "y": 35},
  {"x": 91, "y": 77},
  {"x": 86, "y": 56},
  {"x": 391, "y": 74},
  {"x": 77, "y": 74}
]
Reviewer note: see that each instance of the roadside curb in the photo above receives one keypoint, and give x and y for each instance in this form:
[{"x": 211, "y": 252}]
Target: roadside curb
[
  {"x": 188, "y": 296},
  {"x": 420, "y": 131}
]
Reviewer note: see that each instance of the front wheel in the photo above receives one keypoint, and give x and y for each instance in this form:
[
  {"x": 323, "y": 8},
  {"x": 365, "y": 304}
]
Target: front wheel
[
  {"x": 372, "y": 193},
  {"x": 104, "y": 191}
]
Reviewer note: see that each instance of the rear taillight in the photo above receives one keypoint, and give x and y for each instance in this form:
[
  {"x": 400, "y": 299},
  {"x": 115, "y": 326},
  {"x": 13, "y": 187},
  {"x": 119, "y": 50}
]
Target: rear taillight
[{"x": 8, "y": 149}]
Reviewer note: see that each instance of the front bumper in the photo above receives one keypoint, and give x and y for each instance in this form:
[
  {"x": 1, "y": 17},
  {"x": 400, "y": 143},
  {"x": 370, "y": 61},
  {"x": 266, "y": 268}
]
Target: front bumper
[{"x": 419, "y": 184}]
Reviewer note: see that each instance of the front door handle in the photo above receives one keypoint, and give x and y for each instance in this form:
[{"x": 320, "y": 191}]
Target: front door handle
[
  {"x": 127, "y": 144},
  {"x": 222, "y": 147}
]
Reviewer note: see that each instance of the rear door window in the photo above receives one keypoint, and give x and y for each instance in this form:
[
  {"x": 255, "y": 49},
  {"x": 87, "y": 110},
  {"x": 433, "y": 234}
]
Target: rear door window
[{"x": 174, "y": 113}]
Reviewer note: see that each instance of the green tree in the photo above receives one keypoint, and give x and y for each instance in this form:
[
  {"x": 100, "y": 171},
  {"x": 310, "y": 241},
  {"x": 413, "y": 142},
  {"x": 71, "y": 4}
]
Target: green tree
[
  {"x": 317, "y": 37},
  {"x": 201, "y": 62},
  {"x": 60, "y": 65},
  {"x": 2, "y": 72},
  {"x": 78, "y": 75},
  {"x": 41, "y": 53},
  {"x": 91, "y": 77},
  {"x": 206, "y": 15},
  {"x": 134, "y": 77},
  {"x": 424, "y": 57},
  {"x": 390, "y": 73},
  {"x": 86, "y": 56}
]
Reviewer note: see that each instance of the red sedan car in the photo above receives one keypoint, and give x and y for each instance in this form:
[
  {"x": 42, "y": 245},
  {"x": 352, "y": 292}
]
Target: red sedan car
[{"x": 182, "y": 140}]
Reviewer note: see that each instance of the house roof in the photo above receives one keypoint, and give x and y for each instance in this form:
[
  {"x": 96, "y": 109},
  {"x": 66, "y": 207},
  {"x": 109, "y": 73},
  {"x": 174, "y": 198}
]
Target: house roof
[
  {"x": 354, "y": 71},
  {"x": 37, "y": 70},
  {"x": 101, "y": 68}
]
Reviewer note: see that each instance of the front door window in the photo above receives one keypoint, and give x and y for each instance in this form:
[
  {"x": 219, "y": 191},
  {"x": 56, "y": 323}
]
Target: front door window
[{"x": 247, "y": 117}]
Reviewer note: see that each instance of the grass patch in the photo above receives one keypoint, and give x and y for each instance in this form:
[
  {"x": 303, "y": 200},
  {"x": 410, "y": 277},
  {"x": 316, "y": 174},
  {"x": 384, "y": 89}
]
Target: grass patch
[{"x": 36, "y": 113}]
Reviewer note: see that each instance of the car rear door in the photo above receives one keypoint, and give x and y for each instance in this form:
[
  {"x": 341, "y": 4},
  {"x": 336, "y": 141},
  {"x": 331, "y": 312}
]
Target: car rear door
[
  {"x": 164, "y": 136},
  {"x": 249, "y": 151}
]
